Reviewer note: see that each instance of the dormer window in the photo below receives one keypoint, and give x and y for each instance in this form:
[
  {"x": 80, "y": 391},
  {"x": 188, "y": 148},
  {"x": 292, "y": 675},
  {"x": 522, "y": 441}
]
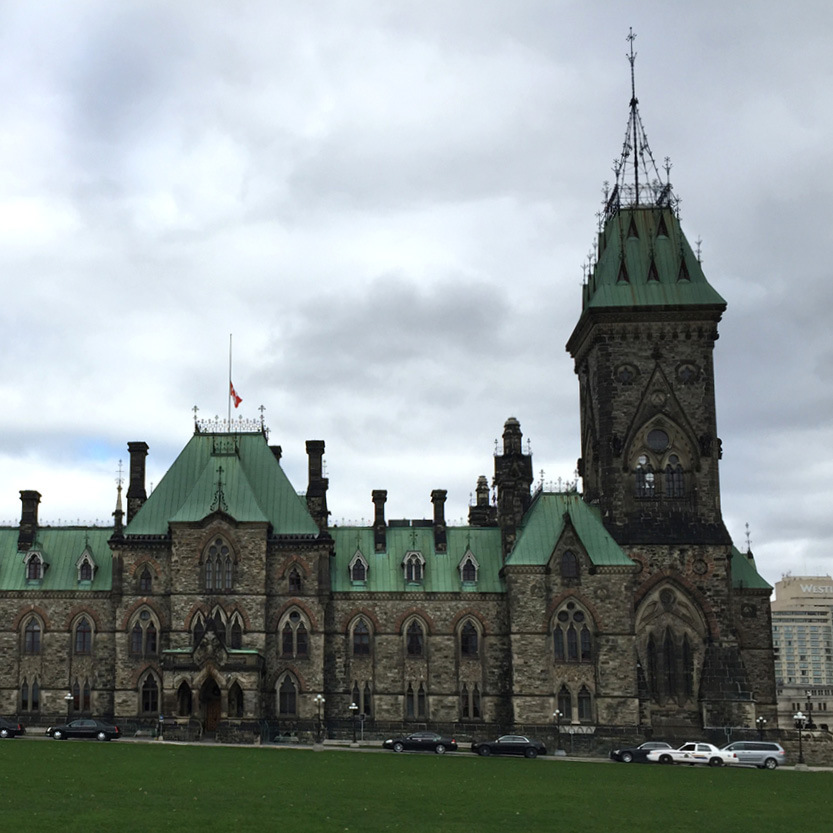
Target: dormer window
[
  {"x": 358, "y": 568},
  {"x": 85, "y": 566},
  {"x": 414, "y": 567},
  {"x": 469, "y": 568},
  {"x": 34, "y": 566}
]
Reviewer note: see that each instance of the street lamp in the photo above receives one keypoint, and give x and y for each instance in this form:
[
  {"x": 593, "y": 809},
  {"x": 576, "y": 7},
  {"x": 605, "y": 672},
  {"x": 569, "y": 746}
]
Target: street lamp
[
  {"x": 68, "y": 698},
  {"x": 319, "y": 702},
  {"x": 799, "y": 717},
  {"x": 761, "y": 723},
  {"x": 353, "y": 709},
  {"x": 557, "y": 715}
]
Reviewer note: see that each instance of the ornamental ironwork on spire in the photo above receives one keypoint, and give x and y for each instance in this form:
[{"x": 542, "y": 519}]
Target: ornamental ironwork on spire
[{"x": 638, "y": 181}]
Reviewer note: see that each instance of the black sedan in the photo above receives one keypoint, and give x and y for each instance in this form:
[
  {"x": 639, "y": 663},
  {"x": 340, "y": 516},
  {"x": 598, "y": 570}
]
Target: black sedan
[
  {"x": 422, "y": 741},
  {"x": 510, "y": 745},
  {"x": 84, "y": 728},
  {"x": 637, "y": 754},
  {"x": 10, "y": 729}
]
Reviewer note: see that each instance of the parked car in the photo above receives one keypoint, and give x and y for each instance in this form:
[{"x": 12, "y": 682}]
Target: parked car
[
  {"x": 763, "y": 754},
  {"x": 694, "y": 752},
  {"x": 84, "y": 728},
  {"x": 10, "y": 728},
  {"x": 510, "y": 745},
  {"x": 422, "y": 741},
  {"x": 637, "y": 754}
]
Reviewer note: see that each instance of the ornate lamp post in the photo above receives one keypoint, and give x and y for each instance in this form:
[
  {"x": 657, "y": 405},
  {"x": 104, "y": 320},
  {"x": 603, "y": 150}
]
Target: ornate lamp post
[
  {"x": 556, "y": 716},
  {"x": 800, "y": 718},
  {"x": 319, "y": 702},
  {"x": 353, "y": 709},
  {"x": 68, "y": 698},
  {"x": 760, "y": 723}
]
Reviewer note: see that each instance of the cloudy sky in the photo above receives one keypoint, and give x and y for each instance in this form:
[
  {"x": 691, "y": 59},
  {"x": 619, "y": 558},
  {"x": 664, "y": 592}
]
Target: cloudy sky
[{"x": 389, "y": 204}]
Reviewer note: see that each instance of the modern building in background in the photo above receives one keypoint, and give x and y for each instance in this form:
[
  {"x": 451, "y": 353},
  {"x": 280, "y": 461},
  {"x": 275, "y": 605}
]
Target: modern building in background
[
  {"x": 802, "y": 639},
  {"x": 225, "y": 601}
]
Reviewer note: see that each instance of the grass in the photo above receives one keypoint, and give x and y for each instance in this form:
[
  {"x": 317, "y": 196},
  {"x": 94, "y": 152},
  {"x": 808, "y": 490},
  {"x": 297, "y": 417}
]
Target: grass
[{"x": 86, "y": 786}]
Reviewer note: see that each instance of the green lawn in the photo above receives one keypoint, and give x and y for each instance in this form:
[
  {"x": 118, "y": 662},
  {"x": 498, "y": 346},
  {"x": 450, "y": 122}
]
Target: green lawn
[{"x": 87, "y": 786}]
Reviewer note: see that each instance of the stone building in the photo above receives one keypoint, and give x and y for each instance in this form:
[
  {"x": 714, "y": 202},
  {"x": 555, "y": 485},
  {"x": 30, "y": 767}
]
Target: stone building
[{"x": 225, "y": 600}]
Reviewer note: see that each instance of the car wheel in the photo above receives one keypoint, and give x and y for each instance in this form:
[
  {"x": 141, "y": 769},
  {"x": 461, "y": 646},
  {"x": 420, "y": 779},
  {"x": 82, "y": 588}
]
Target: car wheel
[
  {"x": 484, "y": 751},
  {"x": 440, "y": 749},
  {"x": 4, "y": 733},
  {"x": 58, "y": 735},
  {"x": 771, "y": 763},
  {"x": 715, "y": 762},
  {"x": 398, "y": 747},
  {"x": 102, "y": 736},
  {"x": 531, "y": 753},
  {"x": 626, "y": 757},
  {"x": 666, "y": 759}
]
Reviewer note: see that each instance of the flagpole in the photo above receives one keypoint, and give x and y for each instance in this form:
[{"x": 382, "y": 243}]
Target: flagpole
[{"x": 228, "y": 389}]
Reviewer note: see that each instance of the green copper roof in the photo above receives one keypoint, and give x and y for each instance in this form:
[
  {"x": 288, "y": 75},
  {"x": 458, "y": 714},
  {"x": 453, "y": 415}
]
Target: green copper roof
[
  {"x": 545, "y": 522},
  {"x": 744, "y": 572},
  {"x": 442, "y": 574},
  {"x": 232, "y": 473},
  {"x": 644, "y": 260},
  {"x": 60, "y": 550}
]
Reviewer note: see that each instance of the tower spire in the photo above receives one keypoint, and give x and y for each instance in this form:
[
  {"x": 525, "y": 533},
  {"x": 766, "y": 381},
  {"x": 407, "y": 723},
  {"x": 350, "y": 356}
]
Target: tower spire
[{"x": 638, "y": 180}]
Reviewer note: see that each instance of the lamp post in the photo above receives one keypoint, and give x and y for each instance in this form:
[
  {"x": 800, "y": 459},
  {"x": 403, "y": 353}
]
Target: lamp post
[
  {"x": 319, "y": 702},
  {"x": 68, "y": 698},
  {"x": 556, "y": 716},
  {"x": 809, "y": 694},
  {"x": 353, "y": 709},
  {"x": 760, "y": 723},
  {"x": 800, "y": 718}
]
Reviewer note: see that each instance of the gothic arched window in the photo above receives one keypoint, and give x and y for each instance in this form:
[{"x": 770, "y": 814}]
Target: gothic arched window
[
  {"x": 414, "y": 639},
  {"x": 83, "y": 637},
  {"x": 469, "y": 638},
  {"x": 361, "y": 639},
  {"x": 31, "y": 637},
  {"x": 571, "y": 637}
]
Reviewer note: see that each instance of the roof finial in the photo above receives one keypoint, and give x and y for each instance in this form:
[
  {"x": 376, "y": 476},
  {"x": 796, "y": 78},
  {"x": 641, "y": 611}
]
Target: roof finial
[{"x": 634, "y": 102}]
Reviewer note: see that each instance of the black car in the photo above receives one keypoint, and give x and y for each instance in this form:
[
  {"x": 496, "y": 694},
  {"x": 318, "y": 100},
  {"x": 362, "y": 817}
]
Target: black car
[
  {"x": 84, "y": 728},
  {"x": 637, "y": 754},
  {"x": 422, "y": 741},
  {"x": 510, "y": 745},
  {"x": 10, "y": 729}
]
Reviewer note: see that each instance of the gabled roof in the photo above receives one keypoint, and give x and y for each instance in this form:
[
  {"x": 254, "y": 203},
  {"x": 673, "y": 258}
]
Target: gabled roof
[
  {"x": 236, "y": 474},
  {"x": 385, "y": 571},
  {"x": 544, "y": 524},
  {"x": 60, "y": 549},
  {"x": 645, "y": 260}
]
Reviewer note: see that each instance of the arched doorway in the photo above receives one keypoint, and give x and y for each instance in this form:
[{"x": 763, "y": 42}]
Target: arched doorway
[{"x": 210, "y": 704}]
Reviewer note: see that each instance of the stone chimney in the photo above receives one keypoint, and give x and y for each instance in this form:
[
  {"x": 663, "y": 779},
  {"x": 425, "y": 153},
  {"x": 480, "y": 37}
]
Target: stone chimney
[
  {"x": 317, "y": 484},
  {"x": 136, "y": 494},
  {"x": 438, "y": 497},
  {"x": 29, "y": 501},
  {"x": 482, "y": 513},
  {"x": 513, "y": 478},
  {"x": 379, "y": 496},
  {"x": 277, "y": 451}
]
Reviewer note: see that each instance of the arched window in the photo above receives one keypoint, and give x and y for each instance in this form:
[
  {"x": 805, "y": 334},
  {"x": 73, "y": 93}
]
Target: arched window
[
  {"x": 644, "y": 478},
  {"x": 235, "y": 701},
  {"x": 469, "y": 640},
  {"x": 143, "y": 635},
  {"x": 565, "y": 703},
  {"x": 183, "y": 700},
  {"x": 674, "y": 482},
  {"x": 569, "y": 565},
  {"x": 81, "y": 696},
  {"x": 150, "y": 695},
  {"x": 31, "y": 637},
  {"x": 294, "y": 639},
  {"x": 199, "y": 630},
  {"x": 218, "y": 566},
  {"x": 414, "y": 566},
  {"x": 469, "y": 568},
  {"x": 287, "y": 697},
  {"x": 414, "y": 639},
  {"x": 470, "y": 702},
  {"x": 358, "y": 568},
  {"x": 34, "y": 567},
  {"x": 83, "y": 637},
  {"x": 145, "y": 581},
  {"x": 367, "y": 700},
  {"x": 668, "y": 656},
  {"x": 85, "y": 571},
  {"x": 585, "y": 705},
  {"x": 30, "y": 697},
  {"x": 688, "y": 668},
  {"x": 361, "y": 639},
  {"x": 236, "y": 634},
  {"x": 416, "y": 702},
  {"x": 571, "y": 637}
]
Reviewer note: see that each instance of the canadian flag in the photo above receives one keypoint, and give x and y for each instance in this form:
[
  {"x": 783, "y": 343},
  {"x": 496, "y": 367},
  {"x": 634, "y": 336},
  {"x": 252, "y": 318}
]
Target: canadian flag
[{"x": 233, "y": 394}]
